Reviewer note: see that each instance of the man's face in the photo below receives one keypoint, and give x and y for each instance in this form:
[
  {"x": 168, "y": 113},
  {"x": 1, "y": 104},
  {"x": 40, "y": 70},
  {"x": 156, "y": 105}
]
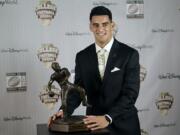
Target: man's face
[{"x": 102, "y": 28}]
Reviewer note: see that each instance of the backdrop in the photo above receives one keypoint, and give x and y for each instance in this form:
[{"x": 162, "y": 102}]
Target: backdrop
[{"x": 28, "y": 43}]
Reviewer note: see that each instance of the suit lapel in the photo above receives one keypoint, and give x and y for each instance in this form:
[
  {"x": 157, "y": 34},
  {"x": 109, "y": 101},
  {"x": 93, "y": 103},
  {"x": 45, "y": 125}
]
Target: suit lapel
[
  {"x": 115, "y": 54},
  {"x": 110, "y": 61}
]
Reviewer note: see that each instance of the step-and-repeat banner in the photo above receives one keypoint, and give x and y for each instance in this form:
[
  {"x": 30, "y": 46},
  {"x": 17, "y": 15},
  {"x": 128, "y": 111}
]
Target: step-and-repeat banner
[{"x": 34, "y": 33}]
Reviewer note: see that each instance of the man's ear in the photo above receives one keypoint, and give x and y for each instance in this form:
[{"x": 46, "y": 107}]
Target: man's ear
[
  {"x": 113, "y": 24},
  {"x": 90, "y": 27}
]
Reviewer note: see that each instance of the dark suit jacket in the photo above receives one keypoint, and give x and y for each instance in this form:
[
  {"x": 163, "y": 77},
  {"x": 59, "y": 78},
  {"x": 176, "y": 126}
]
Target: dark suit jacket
[{"x": 116, "y": 94}]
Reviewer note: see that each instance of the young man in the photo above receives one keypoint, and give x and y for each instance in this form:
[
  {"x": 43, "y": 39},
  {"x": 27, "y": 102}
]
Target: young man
[{"x": 110, "y": 78}]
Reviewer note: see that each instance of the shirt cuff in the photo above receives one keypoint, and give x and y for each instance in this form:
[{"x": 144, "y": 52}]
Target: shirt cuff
[
  {"x": 60, "y": 110},
  {"x": 109, "y": 117}
]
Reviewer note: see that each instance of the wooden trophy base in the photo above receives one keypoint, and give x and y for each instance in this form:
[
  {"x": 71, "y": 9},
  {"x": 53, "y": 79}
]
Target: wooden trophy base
[{"x": 70, "y": 124}]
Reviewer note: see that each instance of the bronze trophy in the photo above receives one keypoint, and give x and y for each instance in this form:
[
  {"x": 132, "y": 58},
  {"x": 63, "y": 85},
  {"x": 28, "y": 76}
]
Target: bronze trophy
[{"x": 67, "y": 123}]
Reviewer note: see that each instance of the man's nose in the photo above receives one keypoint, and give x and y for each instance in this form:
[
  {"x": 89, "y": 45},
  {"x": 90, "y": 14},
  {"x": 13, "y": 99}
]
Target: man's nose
[{"x": 100, "y": 28}]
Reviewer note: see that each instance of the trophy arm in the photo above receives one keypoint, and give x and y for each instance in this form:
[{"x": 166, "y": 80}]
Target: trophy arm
[{"x": 51, "y": 93}]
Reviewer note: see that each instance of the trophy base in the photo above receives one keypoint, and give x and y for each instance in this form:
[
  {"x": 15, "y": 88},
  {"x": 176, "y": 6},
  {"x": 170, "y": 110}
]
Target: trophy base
[{"x": 70, "y": 124}]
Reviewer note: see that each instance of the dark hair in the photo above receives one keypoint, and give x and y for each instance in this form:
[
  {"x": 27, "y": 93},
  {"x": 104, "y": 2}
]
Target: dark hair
[{"x": 100, "y": 10}]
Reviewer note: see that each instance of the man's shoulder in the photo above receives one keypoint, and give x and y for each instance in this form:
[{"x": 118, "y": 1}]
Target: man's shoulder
[
  {"x": 86, "y": 50},
  {"x": 124, "y": 46}
]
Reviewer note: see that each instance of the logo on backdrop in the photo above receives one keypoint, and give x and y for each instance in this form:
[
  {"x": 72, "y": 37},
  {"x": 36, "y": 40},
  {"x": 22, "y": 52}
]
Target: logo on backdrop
[
  {"x": 16, "y": 118},
  {"x": 162, "y": 30},
  {"x": 135, "y": 9},
  {"x": 164, "y": 102},
  {"x": 46, "y": 12},
  {"x": 47, "y": 54},
  {"x": 141, "y": 47},
  {"x": 172, "y": 124},
  {"x": 16, "y": 81},
  {"x": 13, "y": 50},
  {"x": 45, "y": 97},
  {"x": 169, "y": 76},
  {"x": 143, "y": 73},
  {"x": 8, "y": 2},
  {"x": 76, "y": 33},
  {"x": 102, "y": 3}
]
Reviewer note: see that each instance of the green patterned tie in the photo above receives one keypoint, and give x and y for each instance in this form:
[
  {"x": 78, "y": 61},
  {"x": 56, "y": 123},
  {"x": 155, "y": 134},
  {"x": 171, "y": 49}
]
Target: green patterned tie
[{"x": 101, "y": 62}]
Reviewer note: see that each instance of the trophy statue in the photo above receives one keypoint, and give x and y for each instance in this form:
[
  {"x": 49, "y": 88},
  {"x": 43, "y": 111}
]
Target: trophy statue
[{"x": 67, "y": 123}]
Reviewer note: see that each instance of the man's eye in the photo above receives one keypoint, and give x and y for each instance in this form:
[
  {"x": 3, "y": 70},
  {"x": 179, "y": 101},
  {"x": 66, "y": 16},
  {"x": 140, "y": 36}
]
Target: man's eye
[
  {"x": 96, "y": 25},
  {"x": 105, "y": 24}
]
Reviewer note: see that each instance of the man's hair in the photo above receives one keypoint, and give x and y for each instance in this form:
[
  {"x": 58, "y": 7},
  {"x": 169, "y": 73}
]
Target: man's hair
[{"x": 100, "y": 10}]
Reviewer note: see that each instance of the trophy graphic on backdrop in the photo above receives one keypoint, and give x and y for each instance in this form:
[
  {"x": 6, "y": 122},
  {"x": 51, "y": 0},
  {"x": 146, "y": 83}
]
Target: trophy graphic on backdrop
[
  {"x": 67, "y": 123},
  {"x": 46, "y": 11}
]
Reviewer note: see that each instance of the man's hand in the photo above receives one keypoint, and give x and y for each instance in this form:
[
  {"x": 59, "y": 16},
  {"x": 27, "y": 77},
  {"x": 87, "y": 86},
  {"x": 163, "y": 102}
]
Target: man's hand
[
  {"x": 59, "y": 114},
  {"x": 96, "y": 122}
]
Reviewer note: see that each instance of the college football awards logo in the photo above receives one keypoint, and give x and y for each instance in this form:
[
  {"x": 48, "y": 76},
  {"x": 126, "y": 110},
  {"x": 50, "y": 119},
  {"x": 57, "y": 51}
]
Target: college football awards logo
[
  {"x": 16, "y": 81},
  {"x": 47, "y": 54},
  {"x": 143, "y": 73},
  {"x": 135, "y": 9},
  {"x": 164, "y": 102},
  {"x": 45, "y": 12},
  {"x": 47, "y": 99}
]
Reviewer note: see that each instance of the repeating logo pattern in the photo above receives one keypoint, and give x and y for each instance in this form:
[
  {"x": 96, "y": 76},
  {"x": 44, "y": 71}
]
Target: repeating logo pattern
[
  {"x": 47, "y": 54},
  {"x": 16, "y": 118},
  {"x": 8, "y": 2},
  {"x": 46, "y": 99},
  {"x": 143, "y": 73},
  {"x": 16, "y": 81},
  {"x": 135, "y": 9},
  {"x": 46, "y": 11},
  {"x": 103, "y": 3},
  {"x": 164, "y": 102},
  {"x": 169, "y": 76},
  {"x": 163, "y": 30}
]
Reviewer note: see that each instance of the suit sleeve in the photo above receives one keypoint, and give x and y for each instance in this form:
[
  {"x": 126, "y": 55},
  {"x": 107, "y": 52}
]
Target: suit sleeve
[
  {"x": 130, "y": 89},
  {"x": 78, "y": 80}
]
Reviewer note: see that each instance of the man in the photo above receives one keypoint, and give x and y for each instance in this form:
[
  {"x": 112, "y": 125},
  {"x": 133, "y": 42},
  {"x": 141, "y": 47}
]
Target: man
[{"x": 111, "y": 79}]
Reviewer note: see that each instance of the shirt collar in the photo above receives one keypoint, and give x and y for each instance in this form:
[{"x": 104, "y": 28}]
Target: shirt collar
[{"x": 107, "y": 46}]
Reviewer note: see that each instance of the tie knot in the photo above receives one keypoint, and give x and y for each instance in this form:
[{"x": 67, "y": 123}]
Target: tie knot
[{"x": 101, "y": 51}]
